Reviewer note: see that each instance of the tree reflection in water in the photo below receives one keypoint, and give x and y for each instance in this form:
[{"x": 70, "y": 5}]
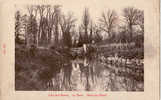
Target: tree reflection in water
[{"x": 93, "y": 75}]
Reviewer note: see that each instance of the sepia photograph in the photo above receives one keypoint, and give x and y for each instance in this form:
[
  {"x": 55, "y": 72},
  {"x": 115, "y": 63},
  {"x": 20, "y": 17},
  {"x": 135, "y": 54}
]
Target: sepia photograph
[{"x": 60, "y": 47}]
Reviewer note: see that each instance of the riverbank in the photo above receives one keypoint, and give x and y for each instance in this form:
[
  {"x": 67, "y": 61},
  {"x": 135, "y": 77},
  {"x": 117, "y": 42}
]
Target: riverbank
[{"x": 137, "y": 53}]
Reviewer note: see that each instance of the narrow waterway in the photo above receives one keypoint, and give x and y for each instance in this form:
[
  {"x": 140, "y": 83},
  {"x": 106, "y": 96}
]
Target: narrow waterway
[{"x": 97, "y": 75}]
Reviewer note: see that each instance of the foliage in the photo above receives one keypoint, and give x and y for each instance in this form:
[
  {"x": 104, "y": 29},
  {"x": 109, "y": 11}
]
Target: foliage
[
  {"x": 132, "y": 17},
  {"x": 32, "y": 28},
  {"x": 17, "y": 25}
]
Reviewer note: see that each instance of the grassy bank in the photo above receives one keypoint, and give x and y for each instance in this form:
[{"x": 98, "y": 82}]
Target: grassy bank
[{"x": 131, "y": 53}]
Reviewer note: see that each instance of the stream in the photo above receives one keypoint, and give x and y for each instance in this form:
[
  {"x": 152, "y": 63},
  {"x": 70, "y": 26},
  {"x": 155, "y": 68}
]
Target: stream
[{"x": 97, "y": 75}]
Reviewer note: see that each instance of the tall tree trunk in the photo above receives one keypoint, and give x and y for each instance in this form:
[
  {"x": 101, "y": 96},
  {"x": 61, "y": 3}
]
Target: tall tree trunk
[
  {"x": 56, "y": 35},
  {"x": 37, "y": 39},
  {"x": 131, "y": 32},
  {"x": 86, "y": 35}
]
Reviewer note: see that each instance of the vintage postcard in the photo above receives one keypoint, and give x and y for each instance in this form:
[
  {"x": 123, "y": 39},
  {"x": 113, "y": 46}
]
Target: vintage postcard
[{"x": 79, "y": 50}]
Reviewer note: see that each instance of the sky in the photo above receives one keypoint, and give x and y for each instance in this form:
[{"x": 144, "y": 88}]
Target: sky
[{"x": 96, "y": 7}]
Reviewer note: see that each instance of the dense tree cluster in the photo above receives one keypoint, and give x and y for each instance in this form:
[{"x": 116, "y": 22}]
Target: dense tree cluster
[{"x": 47, "y": 25}]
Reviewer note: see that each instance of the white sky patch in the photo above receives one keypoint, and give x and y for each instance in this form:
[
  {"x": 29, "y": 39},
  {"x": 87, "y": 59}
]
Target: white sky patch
[{"x": 96, "y": 7}]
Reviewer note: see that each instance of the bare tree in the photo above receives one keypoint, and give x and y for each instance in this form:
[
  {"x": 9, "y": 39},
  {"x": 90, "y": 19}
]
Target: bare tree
[
  {"x": 30, "y": 10},
  {"x": 85, "y": 23},
  {"x": 32, "y": 29},
  {"x": 32, "y": 24},
  {"x": 33, "y": 11},
  {"x": 131, "y": 16},
  {"x": 108, "y": 21},
  {"x": 91, "y": 32},
  {"x": 37, "y": 34},
  {"x": 67, "y": 23},
  {"x": 50, "y": 18},
  {"x": 41, "y": 10},
  {"x": 57, "y": 14},
  {"x": 48, "y": 21},
  {"x": 81, "y": 39},
  {"x": 140, "y": 21},
  {"x": 96, "y": 33}
]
